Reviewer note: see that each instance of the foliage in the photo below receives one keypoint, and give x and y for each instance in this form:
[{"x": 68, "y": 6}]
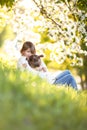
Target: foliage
[
  {"x": 66, "y": 22},
  {"x": 82, "y": 4},
  {"x": 28, "y": 102},
  {"x": 64, "y": 27},
  {"x": 8, "y": 3},
  {"x": 61, "y": 29},
  {"x": 5, "y": 28}
]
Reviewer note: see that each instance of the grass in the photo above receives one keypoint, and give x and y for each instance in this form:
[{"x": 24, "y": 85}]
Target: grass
[{"x": 29, "y": 103}]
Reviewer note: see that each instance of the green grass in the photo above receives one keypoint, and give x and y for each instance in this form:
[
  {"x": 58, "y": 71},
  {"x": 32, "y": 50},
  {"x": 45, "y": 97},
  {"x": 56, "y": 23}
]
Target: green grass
[{"x": 29, "y": 103}]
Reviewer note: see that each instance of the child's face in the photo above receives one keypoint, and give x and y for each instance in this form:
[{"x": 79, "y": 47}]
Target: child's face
[{"x": 27, "y": 53}]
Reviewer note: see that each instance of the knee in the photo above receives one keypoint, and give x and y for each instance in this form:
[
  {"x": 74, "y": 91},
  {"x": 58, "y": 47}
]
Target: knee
[
  {"x": 71, "y": 77},
  {"x": 73, "y": 82},
  {"x": 67, "y": 71}
]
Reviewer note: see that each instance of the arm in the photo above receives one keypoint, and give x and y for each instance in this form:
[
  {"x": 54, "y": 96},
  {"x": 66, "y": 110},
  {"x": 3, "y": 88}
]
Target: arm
[
  {"x": 43, "y": 67},
  {"x": 22, "y": 64}
]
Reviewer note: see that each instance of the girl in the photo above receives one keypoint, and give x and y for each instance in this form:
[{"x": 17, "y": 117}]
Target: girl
[
  {"x": 27, "y": 50},
  {"x": 64, "y": 78}
]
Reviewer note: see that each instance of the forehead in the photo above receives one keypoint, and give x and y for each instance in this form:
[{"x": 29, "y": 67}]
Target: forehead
[{"x": 28, "y": 50}]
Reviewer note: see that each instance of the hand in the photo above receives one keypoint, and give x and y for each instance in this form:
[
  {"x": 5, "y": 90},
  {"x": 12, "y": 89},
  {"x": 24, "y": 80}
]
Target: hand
[{"x": 42, "y": 69}]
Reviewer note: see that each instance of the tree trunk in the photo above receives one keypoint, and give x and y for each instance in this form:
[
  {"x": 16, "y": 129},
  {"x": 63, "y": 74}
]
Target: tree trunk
[
  {"x": 85, "y": 81},
  {"x": 82, "y": 82}
]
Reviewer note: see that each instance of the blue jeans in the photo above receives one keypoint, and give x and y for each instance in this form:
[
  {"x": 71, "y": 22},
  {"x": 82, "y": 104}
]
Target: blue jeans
[{"x": 66, "y": 78}]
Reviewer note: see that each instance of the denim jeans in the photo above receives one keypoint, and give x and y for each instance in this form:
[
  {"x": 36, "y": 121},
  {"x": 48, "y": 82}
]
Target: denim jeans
[{"x": 66, "y": 78}]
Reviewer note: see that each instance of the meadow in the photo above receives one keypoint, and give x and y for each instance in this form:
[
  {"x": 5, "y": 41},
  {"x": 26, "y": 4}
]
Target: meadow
[{"x": 29, "y": 103}]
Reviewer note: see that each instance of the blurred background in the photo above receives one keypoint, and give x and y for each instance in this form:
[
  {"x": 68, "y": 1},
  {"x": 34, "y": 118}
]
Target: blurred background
[{"x": 58, "y": 28}]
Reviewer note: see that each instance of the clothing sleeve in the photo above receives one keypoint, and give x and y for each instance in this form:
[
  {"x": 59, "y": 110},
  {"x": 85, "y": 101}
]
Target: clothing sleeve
[{"x": 22, "y": 64}]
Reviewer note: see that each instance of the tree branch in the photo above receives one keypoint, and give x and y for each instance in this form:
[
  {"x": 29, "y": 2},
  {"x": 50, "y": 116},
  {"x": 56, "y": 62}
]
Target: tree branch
[{"x": 47, "y": 15}]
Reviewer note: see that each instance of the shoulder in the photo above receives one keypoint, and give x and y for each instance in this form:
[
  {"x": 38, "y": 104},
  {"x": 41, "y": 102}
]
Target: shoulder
[
  {"x": 43, "y": 65},
  {"x": 22, "y": 60}
]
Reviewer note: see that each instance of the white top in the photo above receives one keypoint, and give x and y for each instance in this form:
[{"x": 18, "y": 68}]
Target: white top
[{"x": 23, "y": 65}]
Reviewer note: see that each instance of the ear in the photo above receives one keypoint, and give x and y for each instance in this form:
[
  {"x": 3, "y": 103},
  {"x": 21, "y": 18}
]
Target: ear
[{"x": 41, "y": 56}]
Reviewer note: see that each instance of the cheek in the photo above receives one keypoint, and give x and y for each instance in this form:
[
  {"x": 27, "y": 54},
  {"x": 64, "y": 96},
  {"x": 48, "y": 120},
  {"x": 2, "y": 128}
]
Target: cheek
[
  {"x": 30, "y": 54},
  {"x": 23, "y": 53}
]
